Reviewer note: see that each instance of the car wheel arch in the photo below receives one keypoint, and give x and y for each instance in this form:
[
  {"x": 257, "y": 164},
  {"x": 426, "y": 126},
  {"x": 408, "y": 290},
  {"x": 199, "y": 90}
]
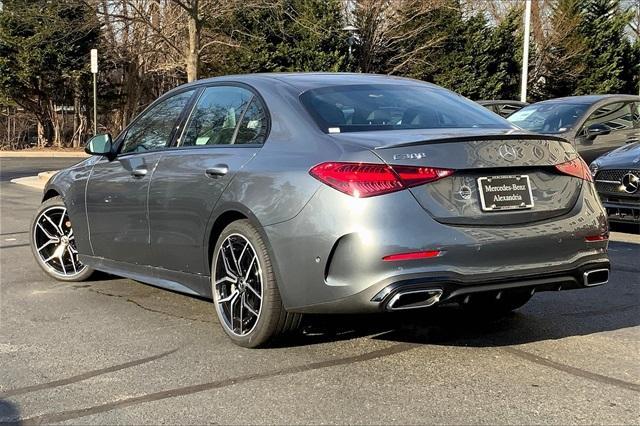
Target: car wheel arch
[
  {"x": 50, "y": 193},
  {"x": 224, "y": 215}
]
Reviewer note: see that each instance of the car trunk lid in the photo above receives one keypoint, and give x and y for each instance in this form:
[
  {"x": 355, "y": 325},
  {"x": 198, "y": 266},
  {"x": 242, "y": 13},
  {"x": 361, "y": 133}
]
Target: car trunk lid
[{"x": 477, "y": 158}]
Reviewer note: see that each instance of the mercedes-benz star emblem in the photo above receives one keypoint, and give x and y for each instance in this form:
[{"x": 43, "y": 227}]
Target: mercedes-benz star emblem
[
  {"x": 507, "y": 152},
  {"x": 630, "y": 183},
  {"x": 465, "y": 192}
]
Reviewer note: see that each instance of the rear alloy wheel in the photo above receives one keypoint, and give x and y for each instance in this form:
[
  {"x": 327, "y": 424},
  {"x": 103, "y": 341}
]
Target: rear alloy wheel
[
  {"x": 245, "y": 293},
  {"x": 53, "y": 243}
]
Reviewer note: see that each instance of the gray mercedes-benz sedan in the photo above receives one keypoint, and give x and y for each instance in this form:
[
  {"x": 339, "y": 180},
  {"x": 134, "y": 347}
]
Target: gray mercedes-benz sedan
[{"x": 278, "y": 195}]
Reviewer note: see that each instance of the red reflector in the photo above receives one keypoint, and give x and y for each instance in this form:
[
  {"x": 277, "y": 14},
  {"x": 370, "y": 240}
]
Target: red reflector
[
  {"x": 412, "y": 255},
  {"x": 366, "y": 179},
  {"x": 592, "y": 238},
  {"x": 576, "y": 168}
]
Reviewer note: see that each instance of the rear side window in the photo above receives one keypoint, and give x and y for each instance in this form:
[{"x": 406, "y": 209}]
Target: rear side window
[
  {"x": 636, "y": 113},
  {"x": 152, "y": 131},
  {"x": 253, "y": 126},
  {"x": 354, "y": 108},
  {"x": 225, "y": 115}
]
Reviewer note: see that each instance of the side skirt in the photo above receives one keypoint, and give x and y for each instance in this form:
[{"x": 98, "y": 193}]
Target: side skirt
[{"x": 181, "y": 282}]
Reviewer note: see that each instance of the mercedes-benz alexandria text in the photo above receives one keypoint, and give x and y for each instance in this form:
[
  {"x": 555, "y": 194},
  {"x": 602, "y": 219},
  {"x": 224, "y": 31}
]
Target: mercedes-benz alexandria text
[{"x": 278, "y": 195}]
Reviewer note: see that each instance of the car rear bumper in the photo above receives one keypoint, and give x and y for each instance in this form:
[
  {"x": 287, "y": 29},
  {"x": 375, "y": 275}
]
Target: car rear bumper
[
  {"x": 329, "y": 258},
  {"x": 431, "y": 290}
]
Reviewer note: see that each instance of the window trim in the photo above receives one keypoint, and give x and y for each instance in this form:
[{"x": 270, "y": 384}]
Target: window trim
[
  {"x": 198, "y": 87},
  {"x": 203, "y": 87}
]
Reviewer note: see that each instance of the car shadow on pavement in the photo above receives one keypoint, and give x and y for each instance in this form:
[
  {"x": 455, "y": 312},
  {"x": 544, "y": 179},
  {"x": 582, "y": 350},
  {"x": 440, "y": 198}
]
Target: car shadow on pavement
[
  {"x": 546, "y": 319},
  {"x": 9, "y": 413}
]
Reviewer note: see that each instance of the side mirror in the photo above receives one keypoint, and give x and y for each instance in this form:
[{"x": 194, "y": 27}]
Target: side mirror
[
  {"x": 99, "y": 145},
  {"x": 597, "y": 129}
]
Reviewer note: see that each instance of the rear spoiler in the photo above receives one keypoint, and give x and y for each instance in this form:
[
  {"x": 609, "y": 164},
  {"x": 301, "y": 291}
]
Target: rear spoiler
[{"x": 477, "y": 138}]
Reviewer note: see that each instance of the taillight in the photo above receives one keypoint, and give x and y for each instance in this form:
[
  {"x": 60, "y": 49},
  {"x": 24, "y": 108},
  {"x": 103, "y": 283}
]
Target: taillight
[
  {"x": 412, "y": 255},
  {"x": 577, "y": 168},
  {"x": 599, "y": 237},
  {"x": 366, "y": 179}
]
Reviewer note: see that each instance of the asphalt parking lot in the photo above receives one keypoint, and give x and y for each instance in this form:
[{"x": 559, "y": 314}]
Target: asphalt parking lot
[{"x": 116, "y": 351}]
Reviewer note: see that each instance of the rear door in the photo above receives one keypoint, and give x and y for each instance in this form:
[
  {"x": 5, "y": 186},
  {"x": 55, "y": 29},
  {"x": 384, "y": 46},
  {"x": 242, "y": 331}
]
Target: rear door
[
  {"x": 618, "y": 117},
  {"x": 117, "y": 190},
  {"x": 224, "y": 131}
]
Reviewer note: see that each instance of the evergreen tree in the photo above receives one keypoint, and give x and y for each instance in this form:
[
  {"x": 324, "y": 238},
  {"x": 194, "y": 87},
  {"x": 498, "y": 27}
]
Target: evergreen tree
[
  {"x": 461, "y": 53},
  {"x": 43, "y": 46},
  {"x": 558, "y": 61},
  {"x": 612, "y": 63},
  {"x": 292, "y": 35}
]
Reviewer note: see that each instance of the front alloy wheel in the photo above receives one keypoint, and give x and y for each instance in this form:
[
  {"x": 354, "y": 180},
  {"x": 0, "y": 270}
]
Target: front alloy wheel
[{"x": 53, "y": 243}]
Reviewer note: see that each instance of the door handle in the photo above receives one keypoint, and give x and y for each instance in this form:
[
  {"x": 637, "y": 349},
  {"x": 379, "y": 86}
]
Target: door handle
[
  {"x": 632, "y": 140},
  {"x": 217, "y": 170},
  {"x": 138, "y": 173}
]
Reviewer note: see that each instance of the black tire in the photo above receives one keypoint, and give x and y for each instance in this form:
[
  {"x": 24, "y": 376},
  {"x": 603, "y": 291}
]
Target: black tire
[
  {"x": 272, "y": 320},
  {"x": 75, "y": 271},
  {"x": 487, "y": 304}
]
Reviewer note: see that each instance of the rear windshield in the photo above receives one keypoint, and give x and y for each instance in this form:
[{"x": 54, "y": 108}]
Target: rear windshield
[{"x": 357, "y": 108}]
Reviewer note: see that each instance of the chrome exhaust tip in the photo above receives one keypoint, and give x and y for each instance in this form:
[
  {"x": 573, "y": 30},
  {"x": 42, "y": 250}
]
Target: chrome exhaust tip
[
  {"x": 414, "y": 299},
  {"x": 595, "y": 277}
]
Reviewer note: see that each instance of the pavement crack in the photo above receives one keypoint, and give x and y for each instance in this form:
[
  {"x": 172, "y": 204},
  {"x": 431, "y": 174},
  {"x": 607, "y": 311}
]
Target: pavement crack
[
  {"x": 188, "y": 390},
  {"x": 609, "y": 311},
  {"x": 13, "y": 233},
  {"x": 146, "y": 308},
  {"x": 14, "y": 246},
  {"x": 573, "y": 370},
  {"x": 83, "y": 376}
]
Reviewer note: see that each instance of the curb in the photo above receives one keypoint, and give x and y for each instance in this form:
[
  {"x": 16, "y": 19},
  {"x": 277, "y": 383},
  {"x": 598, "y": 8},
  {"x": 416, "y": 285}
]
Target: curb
[
  {"x": 43, "y": 154},
  {"x": 36, "y": 182}
]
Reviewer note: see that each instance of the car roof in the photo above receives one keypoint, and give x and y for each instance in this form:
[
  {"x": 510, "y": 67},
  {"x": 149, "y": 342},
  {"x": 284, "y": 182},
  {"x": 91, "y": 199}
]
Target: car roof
[
  {"x": 591, "y": 99},
  {"x": 501, "y": 102},
  {"x": 304, "y": 81}
]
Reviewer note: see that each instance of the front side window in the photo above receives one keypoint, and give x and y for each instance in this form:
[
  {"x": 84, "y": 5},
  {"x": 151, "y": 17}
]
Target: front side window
[
  {"x": 616, "y": 116},
  {"x": 225, "y": 115},
  {"x": 152, "y": 131},
  {"x": 552, "y": 117},
  {"x": 368, "y": 107}
]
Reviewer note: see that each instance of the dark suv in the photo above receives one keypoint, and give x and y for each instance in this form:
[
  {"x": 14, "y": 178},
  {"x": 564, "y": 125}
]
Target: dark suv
[{"x": 595, "y": 124}]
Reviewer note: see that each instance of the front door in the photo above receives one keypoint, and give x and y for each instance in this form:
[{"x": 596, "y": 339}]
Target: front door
[
  {"x": 117, "y": 190},
  {"x": 225, "y": 130},
  {"x": 618, "y": 117}
]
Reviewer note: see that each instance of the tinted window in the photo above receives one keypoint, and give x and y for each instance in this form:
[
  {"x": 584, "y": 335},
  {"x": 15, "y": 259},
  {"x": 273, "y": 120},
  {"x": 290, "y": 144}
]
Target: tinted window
[
  {"x": 552, "y": 117},
  {"x": 253, "y": 126},
  {"x": 617, "y": 116},
  {"x": 152, "y": 130},
  {"x": 355, "y": 108},
  {"x": 216, "y": 116}
]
